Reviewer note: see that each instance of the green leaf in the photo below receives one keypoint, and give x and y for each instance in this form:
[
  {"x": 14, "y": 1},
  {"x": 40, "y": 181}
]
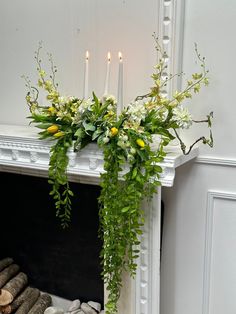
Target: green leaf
[
  {"x": 95, "y": 99},
  {"x": 43, "y": 125},
  {"x": 125, "y": 209},
  {"x": 158, "y": 168},
  {"x": 89, "y": 126},
  {"x": 134, "y": 173},
  {"x": 96, "y": 134},
  {"x": 79, "y": 133}
]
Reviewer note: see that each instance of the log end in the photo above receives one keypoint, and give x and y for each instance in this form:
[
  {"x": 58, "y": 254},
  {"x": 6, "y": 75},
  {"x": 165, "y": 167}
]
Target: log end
[
  {"x": 5, "y": 297},
  {"x": 6, "y": 309}
]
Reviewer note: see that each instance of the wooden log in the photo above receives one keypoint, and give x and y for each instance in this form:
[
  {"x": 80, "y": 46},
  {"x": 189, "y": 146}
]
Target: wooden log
[
  {"x": 5, "y": 262},
  {"x": 7, "y": 273},
  {"x": 28, "y": 293},
  {"x": 44, "y": 301},
  {"x": 13, "y": 288},
  {"x": 29, "y": 302}
]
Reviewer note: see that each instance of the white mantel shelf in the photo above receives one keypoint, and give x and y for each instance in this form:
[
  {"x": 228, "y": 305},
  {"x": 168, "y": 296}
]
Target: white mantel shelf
[{"x": 22, "y": 152}]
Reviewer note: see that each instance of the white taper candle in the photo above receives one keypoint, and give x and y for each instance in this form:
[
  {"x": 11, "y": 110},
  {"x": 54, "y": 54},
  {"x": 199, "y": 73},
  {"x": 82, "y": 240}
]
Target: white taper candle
[
  {"x": 107, "y": 74},
  {"x": 120, "y": 86},
  {"x": 86, "y": 70}
]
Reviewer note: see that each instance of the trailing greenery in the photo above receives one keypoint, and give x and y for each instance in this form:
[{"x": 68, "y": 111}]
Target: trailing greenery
[
  {"x": 132, "y": 156},
  {"x": 120, "y": 215}
]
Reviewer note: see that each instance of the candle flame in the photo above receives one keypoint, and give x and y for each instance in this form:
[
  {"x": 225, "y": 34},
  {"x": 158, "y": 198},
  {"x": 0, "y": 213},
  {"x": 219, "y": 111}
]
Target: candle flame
[
  {"x": 87, "y": 55},
  {"x": 120, "y": 56},
  {"x": 109, "y": 56}
]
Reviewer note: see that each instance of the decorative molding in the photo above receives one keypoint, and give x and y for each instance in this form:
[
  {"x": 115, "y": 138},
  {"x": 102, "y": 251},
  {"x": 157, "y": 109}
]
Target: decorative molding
[
  {"x": 211, "y": 196},
  {"x": 26, "y": 154},
  {"x": 148, "y": 272},
  {"x": 219, "y": 161},
  {"x": 147, "y": 282},
  {"x": 170, "y": 33}
]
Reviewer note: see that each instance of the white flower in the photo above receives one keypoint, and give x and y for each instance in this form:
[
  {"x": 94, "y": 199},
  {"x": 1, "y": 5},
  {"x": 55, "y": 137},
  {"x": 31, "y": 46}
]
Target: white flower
[
  {"x": 130, "y": 157},
  {"x": 136, "y": 111},
  {"x": 109, "y": 97},
  {"x": 85, "y": 104},
  {"x": 110, "y": 107},
  {"x": 106, "y": 140},
  {"x": 71, "y": 98},
  {"x": 61, "y": 100},
  {"x": 121, "y": 144},
  {"x": 182, "y": 117},
  {"x": 132, "y": 150},
  {"x": 124, "y": 138}
]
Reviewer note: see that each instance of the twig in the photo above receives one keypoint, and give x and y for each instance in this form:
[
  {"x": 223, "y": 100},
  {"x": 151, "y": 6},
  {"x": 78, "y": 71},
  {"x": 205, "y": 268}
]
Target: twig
[{"x": 202, "y": 138}]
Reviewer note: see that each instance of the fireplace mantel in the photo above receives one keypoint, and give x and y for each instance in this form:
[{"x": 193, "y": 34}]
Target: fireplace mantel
[{"x": 22, "y": 152}]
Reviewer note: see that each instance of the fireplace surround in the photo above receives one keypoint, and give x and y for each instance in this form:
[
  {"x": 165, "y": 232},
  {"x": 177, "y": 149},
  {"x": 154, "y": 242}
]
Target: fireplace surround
[{"x": 21, "y": 152}]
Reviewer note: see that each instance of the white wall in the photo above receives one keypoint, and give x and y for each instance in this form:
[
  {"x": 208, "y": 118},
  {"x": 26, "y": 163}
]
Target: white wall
[
  {"x": 198, "y": 274},
  {"x": 68, "y": 28},
  {"x": 212, "y": 25}
]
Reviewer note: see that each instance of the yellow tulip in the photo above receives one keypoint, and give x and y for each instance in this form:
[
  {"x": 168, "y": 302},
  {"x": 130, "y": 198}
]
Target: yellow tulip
[
  {"x": 140, "y": 142},
  {"x": 53, "y": 129},
  {"x": 52, "y": 110},
  {"x": 59, "y": 134},
  {"x": 114, "y": 131}
]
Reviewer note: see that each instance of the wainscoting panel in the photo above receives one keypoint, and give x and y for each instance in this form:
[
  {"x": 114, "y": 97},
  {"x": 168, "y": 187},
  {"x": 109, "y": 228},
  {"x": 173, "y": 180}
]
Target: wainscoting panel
[
  {"x": 198, "y": 272},
  {"x": 219, "y": 283}
]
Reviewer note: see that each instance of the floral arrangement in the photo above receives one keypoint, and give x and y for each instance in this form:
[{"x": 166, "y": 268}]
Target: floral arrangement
[{"x": 126, "y": 141}]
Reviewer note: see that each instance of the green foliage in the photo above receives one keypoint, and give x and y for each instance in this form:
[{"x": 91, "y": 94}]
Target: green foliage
[
  {"x": 121, "y": 216},
  {"x": 60, "y": 191},
  {"x": 132, "y": 163}
]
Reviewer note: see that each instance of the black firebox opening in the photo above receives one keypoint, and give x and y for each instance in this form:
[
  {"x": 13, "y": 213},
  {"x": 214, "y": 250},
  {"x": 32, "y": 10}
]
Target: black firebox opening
[{"x": 65, "y": 263}]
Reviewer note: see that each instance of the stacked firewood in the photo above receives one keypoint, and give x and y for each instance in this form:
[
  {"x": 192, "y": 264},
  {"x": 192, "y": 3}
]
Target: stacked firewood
[{"x": 16, "y": 295}]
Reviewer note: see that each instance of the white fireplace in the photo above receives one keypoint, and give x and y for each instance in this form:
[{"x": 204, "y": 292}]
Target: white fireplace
[{"x": 23, "y": 153}]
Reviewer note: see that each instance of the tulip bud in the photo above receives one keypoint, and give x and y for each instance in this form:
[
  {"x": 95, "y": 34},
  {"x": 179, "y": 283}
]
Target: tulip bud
[
  {"x": 114, "y": 131},
  {"x": 53, "y": 129},
  {"x": 140, "y": 142}
]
